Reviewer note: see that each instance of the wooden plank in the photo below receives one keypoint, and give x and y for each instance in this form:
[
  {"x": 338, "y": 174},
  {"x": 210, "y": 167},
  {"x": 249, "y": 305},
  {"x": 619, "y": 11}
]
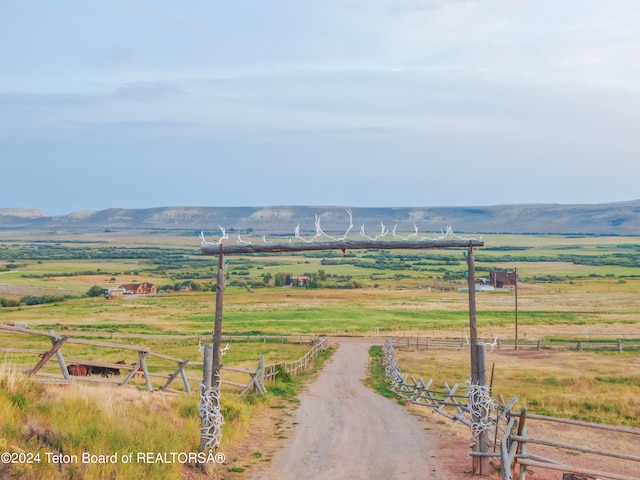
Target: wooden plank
[
  {"x": 95, "y": 343},
  {"x": 578, "y": 423},
  {"x": 235, "y": 384},
  {"x": 582, "y": 471},
  {"x": 239, "y": 370},
  {"x": 173, "y": 376},
  {"x": 232, "y": 249},
  {"x": 23, "y": 350},
  {"x": 165, "y": 357},
  {"x": 576, "y": 448},
  {"x": 57, "y": 343},
  {"x": 26, "y": 330}
]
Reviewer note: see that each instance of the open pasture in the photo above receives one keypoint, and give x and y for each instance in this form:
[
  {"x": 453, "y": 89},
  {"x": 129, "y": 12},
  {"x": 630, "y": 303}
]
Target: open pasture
[
  {"x": 570, "y": 288},
  {"x": 598, "y": 387}
]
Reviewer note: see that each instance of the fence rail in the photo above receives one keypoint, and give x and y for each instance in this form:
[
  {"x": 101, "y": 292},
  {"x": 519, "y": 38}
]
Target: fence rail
[
  {"x": 268, "y": 373},
  {"x": 425, "y": 342},
  {"x": 513, "y": 446},
  {"x": 73, "y": 369}
]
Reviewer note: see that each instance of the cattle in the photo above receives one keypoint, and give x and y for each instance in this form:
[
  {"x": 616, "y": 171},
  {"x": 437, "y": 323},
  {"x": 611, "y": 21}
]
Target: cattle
[
  {"x": 98, "y": 371},
  {"x": 79, "y": 370},
  {"x": 106, "y": 371}
]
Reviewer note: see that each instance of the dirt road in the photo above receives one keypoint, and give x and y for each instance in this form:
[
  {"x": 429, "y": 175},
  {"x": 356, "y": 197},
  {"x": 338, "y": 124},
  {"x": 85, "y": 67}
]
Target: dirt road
[{"x": 344, "y": 430}]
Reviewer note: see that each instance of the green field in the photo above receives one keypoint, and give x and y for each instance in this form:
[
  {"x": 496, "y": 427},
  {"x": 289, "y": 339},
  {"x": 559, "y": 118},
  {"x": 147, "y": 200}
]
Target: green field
[{"x": 569, "y": 288}]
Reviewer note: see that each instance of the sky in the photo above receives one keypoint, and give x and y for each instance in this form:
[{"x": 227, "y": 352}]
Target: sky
[{"x": 361, "y": 103}]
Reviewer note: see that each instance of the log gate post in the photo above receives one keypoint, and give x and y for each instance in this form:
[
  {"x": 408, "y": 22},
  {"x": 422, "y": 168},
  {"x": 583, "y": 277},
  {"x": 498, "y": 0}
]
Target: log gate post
[
  {"x": 217, "y": 328},
  {"x": 480, "y": 464}
]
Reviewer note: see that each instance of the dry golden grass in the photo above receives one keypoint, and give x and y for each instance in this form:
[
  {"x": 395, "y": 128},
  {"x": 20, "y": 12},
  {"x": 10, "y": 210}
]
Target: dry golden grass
[{"x": 595, "y": 387}]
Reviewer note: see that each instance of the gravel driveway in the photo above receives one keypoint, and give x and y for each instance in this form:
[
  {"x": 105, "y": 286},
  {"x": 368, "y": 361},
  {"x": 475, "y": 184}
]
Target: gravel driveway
[{"x": 344, "y": 430}]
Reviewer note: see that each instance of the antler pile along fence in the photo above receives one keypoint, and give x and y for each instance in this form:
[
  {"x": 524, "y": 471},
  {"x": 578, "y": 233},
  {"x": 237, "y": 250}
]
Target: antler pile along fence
[{"x": 512, "y": 444}]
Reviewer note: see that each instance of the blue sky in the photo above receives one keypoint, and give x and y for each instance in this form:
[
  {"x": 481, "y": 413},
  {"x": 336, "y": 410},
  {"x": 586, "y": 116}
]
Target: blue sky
[{"x": 138, "y": 104}]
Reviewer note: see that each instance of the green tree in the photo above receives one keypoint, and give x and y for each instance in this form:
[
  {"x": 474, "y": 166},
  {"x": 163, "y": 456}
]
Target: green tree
[
  {"x": 282, "y": 279},
  {"x": 95, "y": 291}
]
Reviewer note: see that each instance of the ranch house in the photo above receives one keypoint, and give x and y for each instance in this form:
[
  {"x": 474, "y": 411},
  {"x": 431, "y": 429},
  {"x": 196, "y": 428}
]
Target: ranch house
[
  {"x": 502, "y": 279},
  {"x": 139, "y": 288},
  {"x": 300, "y": 280}
]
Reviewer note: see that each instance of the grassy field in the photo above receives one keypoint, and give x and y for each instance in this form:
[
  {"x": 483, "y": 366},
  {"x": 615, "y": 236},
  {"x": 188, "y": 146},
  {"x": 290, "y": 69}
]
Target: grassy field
[
  {"x": 598, "y": 387},
  {"x": 570, "y": 288}
]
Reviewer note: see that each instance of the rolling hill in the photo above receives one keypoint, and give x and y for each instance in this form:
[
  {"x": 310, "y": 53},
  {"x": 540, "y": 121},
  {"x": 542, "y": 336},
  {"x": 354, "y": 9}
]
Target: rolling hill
[{"x": 621, "y": 218}]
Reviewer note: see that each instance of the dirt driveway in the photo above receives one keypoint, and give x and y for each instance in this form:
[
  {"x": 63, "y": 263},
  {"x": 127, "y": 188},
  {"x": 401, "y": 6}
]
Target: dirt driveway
[{"x": 344, "y": 430}]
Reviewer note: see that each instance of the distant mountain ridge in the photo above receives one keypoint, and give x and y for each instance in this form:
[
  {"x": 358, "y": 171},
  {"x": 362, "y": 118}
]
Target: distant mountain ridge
[{"x": 620, "y": 218}]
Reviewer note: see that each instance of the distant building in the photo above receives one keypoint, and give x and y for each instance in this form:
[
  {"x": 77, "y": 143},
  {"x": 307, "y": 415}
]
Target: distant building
[
  {"x": 114, "y": 292},
  {"x": 139, "y": 288},
  {"x": 300, "y": 280},
  {"x": 502, "y": 279}
]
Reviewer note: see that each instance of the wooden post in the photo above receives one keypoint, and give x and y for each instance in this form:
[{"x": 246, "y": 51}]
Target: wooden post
[
  {"x": 217, "y": 329},
  {"x": 471, "y": 282},
  {"x": 206, "y": 380},
  {"x": 57, "y": 343},
  {"x": 258, "y": 385},
  {"x": 478, "y": 364},
  {"x": 479, "y": 377},
  {"x": 145, "y": 371}
]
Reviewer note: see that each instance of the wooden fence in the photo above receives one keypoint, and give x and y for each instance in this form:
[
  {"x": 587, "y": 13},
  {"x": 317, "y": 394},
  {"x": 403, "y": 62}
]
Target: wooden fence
[
  {"x": 427, "y": 343},
  {"x": 268, "y": 373},
  {"x": 518, "y": 452},
  {"x": 511, "y": 432},
  {"x": 269, "y": 338},
  {"x": 110, "y": 371}
]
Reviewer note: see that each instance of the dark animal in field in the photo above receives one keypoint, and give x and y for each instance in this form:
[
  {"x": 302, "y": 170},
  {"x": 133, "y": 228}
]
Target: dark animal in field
[
  {"x": 99, "y": 371},
  {"x": 107, "y": 371},
  {"x": 78, "y": 370}
]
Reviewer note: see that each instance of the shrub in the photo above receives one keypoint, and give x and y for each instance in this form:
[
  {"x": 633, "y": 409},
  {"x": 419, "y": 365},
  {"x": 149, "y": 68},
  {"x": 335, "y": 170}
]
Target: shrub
[
  {"x": 8, "y": 302},
  {"x": 95, "y": 291}
]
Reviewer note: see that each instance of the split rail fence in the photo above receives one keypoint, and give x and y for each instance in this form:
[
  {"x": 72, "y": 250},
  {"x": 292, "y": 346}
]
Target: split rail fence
[
  {"x": 140, "y": 368},
  {"x": 55, "y": 354},
  {"x": 268, "y": 373},
  {"x": 517, "y": 437},
  {"x": 427, "y": 343}
]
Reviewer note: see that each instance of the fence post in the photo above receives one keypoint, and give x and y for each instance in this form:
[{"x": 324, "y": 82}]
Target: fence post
[
  {"x": 478, "y": 377},
  {"x": 206, "y": 382},
  {"x": 258, "y": 384},
  {"x": 521, "y": 432}
]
